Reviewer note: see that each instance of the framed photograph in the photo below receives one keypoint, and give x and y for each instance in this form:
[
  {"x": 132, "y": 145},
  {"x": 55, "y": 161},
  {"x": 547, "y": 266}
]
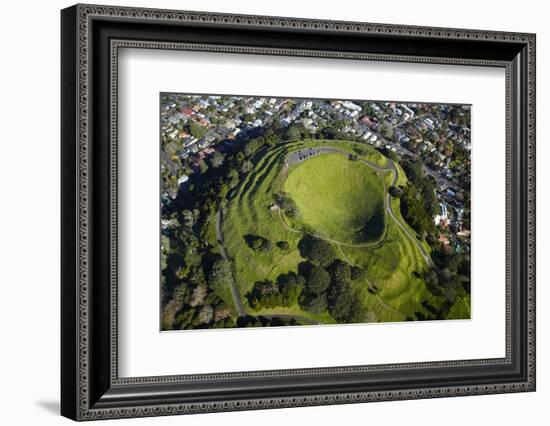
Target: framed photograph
[{"x": 263, "y": 212}]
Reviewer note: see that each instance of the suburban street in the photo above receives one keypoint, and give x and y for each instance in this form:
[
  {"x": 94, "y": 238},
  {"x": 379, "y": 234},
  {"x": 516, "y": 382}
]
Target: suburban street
[{"x": 441, "y": 181}]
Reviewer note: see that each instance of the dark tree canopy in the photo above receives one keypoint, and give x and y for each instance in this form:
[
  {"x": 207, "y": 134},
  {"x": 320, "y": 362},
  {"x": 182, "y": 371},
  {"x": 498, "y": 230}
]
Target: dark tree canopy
[
  {"x": 220, "y": 276},
  {"x": 316, "y": 304},
  {"x": 291, "y": 286},
  {"x": 286, "y": 292},
  {"x": 344, "y": 303},
  {"x": 257, "y": 243},
  {"x": 286, "y": 203},
  {"x": 418, "y": 200},
  {"x": 197, "y": 130},
  {"x": 340, "y": 272},
  {"x": 290, "y": 280},
  {"x": 317, "y": 251},
  {"x": 216, "y": 159},
  {"x": 318, "y": 280},
  {"x": 294, "y": 132},
  {"x": 264, "y": 294}
]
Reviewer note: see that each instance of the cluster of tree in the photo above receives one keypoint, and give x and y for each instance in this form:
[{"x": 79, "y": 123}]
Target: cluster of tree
[
  {"x": 213, "y": 314},
  {"x": 448, "y": 278},
  {"x": 386, "y": 130},
  {"x": 367, "y": 108},
  {"x": 460, "y": 165},
  {"x": 415, "y": 211},
  {"x": 460, "y": 116},
  {"x": 220, "y": 276},
  {"x": 285, "y": 292},
  {"x": 283, "y": 245},
  {"x": 334, "y": 131},
  {"x": 344, "y": 303},
  {"x": 181, "y": 258},
  {"x": 187, "y": 260},
  {"x": 324, "y": 283},
  {"x": 216, "y": 159},
  {"x": 192, "y": 289},
  {"x": 286, "y": 203},
  {"x": 296, "y": 131},
  {"x": 314, "y": 298},
  {"x": 257, "y": 243},
  {"x": 196, "y": 129},
  {"x": 318, "y": 251},
  {"x": 261, "y": 244},
  {"x": 387, "y": 152},
  {"x": 194, "y": 281},
  {"x": 330, "y": 289},
  {"x": 269, "y": 138},
  {"x": 418, "y": 200}
]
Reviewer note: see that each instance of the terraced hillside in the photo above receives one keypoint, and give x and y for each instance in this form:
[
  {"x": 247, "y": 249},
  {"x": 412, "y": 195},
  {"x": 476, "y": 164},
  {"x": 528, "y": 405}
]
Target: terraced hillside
[{"x": 339, "y": 199}]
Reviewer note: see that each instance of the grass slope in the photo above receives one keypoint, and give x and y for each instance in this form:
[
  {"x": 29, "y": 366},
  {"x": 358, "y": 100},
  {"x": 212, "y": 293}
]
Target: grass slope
[{"x": 340, "y": 199}]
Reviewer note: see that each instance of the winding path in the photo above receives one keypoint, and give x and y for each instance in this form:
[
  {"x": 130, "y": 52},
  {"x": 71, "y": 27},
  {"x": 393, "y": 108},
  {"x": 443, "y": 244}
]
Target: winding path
[
  {"x": 423, "y": 252},
  {"x": 375, "y": 294}
]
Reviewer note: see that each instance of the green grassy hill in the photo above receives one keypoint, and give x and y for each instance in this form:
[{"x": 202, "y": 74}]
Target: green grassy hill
[{"x": 339, "y": 199}]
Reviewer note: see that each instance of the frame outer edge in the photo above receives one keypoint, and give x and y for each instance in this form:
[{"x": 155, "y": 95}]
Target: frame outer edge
[
  {"x": 531, "y": 201},
  {"x": 69, "y": 192},
  {"x": 83, "y": 13}
]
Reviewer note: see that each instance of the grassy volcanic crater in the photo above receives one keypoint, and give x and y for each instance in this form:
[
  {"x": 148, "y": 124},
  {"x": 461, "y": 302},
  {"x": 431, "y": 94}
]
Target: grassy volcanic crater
[{"x": 338, "y": 198}]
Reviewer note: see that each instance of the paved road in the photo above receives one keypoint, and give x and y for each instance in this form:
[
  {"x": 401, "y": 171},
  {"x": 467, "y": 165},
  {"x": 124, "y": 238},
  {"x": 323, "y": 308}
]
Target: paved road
[{"x": 305, "y": 153}]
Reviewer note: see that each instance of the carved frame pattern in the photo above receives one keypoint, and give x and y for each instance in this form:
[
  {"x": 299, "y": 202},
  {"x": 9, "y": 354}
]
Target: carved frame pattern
[{"x": 85, "y": 13}]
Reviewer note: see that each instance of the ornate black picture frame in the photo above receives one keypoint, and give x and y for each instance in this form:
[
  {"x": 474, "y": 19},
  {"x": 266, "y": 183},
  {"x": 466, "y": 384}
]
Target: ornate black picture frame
[{"x": 90, "y": 38}]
